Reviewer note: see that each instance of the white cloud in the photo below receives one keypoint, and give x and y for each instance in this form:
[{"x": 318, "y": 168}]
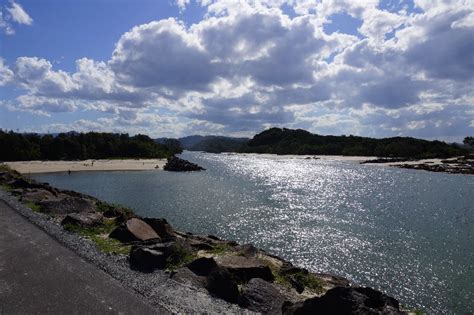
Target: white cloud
[
  {"x": 19, "y": 15},
  {"x": 248, "y": 65}
]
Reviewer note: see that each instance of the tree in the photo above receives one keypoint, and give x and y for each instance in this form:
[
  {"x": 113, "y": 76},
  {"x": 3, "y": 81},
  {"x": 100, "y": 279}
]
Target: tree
[{"x": 469, "y": 141}]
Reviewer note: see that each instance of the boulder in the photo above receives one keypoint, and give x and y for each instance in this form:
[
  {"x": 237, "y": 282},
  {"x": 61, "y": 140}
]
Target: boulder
[
  {"x": 67, "y": 205},
  {"x": 202, "y": 266},
  {"x": 146, "y": 259},
  {"x": 134, "y": 230},
  {"x": 261, "y": 296},
  {"x": 220, "y": 283},
  {"x": 83, "y": 219},
  {"x": 218, "y": 280},
  {"x": 175, "y": 164},
  {"x": 161, "y": 227},
  {"x": 245, "y": 268},
  {"x": 346, "y": 300}
]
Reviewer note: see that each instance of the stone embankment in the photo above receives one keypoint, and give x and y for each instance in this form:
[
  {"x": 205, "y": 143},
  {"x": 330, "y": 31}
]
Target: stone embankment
[{"x": 246, "y": 277}]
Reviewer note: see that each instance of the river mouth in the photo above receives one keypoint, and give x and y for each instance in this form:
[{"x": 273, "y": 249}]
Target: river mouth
[{"x": 407, "y": 233}]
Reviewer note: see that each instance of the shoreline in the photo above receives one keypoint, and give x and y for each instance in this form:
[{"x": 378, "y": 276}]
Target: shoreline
[
  {"x": 204, "y": 273},
  {"x": 35, "y": 167}
]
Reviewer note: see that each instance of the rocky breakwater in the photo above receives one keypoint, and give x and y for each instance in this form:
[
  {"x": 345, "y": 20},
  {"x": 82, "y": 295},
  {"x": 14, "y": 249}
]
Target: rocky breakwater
[
  {"x": 239, "y": 274},
  {"x": 176, "y": 164},
  {"x": 457, "y": 165}
]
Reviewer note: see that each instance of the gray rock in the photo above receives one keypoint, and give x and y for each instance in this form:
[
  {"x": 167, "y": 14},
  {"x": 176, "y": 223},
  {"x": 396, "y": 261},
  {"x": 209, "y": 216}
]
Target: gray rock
[
  {"x": 134, "y": 230},
  {"x": 261, "y": 296},
  {"x": 67, "y": 205},
  {"x": 344, "y": 300},
  {"x": 161, "y": 227},
  {"x": 245, "y": 268},
  {"x": 83, "y": 219}
]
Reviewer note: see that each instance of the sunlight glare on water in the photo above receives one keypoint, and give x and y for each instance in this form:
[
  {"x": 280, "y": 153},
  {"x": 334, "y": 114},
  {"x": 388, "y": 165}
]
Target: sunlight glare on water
[{"x": 408, "y": 233}]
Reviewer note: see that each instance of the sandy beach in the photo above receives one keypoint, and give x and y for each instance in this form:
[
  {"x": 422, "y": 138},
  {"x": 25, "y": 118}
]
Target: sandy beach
[{"x": 30, "y": 167}]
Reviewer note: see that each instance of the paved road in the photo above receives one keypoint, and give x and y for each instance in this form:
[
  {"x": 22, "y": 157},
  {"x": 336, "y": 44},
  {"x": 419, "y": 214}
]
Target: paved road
[{"x": 39, "y": 275}]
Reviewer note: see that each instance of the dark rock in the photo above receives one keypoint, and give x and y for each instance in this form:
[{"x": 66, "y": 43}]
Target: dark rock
[
  {"x": 176, "y": 164},
  {"x": 202, "y": 266},
  {"x": 67, "y": 205},
  {"x": 161, "y": 227},
  {"x": 344, "y": 300},
  {"x": 261, "y": 296},
  {"x": 201, "y": 246},
  {"x": 83, "y": 219},
  {"x": 19, "y": 183},
  {"x": 146, "y": 259},
  {"x": 220, "y": 283},
  {"x": 245, "y": 268},
  {"x": 134, "y": 230}
]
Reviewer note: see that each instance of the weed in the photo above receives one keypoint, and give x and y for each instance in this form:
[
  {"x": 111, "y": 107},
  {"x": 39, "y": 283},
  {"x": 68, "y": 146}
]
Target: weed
[
  {"x": 34, "y": 206},
  {"x": 180, "y": 257},
  {"x": 220, "y": 249},
  {"x": 99, "y": 235}
]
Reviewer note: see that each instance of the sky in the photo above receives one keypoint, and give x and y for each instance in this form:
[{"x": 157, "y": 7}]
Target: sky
[{"x": 171, "y": 68}]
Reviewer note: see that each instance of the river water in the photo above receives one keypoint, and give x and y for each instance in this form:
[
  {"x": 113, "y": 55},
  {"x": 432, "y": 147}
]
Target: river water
[{"x": 406, "y": 232}]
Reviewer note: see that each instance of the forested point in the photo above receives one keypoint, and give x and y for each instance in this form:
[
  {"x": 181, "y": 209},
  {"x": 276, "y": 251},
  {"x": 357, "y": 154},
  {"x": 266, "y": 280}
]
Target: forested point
[
  {"x": 302, "y": 142},
  {"x": 80, "y": 146}
]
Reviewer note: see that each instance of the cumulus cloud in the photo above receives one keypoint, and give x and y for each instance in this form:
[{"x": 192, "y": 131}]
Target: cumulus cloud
[{"x": 251, "y": 64}]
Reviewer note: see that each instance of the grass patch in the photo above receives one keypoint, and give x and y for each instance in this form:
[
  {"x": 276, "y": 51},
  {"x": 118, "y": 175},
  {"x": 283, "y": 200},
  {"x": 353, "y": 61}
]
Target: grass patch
[
  {"x": 180, "y": 257},
  {"x": 99, "y": 235},
  {"x": 220, "y": 249},
  {"x": 34, "y": 206},
  {"x": 105, "y": 206},
  {"x": 6, "y": 187},
  {"x": 307, "y": 280}
]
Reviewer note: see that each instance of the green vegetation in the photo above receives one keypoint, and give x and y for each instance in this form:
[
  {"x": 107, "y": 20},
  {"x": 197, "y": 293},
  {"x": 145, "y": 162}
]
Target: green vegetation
[
  {"x": 79, "y": 146},
  {"x": 105, "y": 206},
  {"x": 302, "y": 278},
  {"x": 469, "y": 141},
  {"x": 98, "y": 235},
  {"x": 180, "y": 257},
  {"x": 6, "y": 187},
  {"x": 220, "y": 249},
  {"x": 33, "y": 206},
  {"x": 288, "y": 141}
]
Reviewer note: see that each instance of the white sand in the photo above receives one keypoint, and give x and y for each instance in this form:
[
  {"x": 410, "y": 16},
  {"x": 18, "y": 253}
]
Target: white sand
[{"x": 30, "y": 167}]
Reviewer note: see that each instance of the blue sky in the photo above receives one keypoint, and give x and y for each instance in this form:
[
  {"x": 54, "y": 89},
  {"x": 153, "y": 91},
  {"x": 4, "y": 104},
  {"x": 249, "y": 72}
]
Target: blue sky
[{"x": 175, "y": 68}]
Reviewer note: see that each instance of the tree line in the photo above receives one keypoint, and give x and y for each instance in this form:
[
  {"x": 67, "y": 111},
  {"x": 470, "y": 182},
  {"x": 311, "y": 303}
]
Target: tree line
[
  {"x": 80, "y": 146},
  {"x": 302, "y": 142}
]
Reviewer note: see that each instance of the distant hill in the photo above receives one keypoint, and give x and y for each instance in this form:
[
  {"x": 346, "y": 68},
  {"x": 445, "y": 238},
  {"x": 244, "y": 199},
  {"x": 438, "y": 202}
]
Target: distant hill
[
  {"x": 212, "y": 144},
  {"x": 289, "y": 141}
]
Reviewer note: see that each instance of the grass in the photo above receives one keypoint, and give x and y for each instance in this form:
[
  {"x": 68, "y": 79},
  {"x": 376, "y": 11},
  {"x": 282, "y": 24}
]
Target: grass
[
  {"x": 6, "y": 187},
  {"x": 220, "y": 249},
  {"x": 307, "y": 280},
  {"x": 34, "y": 206},
  {"x": 105, "y": 206},
  {"x": 99, "y": 235},
  {"x": 180, "y": 257}
]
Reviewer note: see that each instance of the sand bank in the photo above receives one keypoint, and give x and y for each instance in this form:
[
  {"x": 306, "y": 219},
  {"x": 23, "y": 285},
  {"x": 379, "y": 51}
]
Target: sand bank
[{"x": 30, "y": 167}]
